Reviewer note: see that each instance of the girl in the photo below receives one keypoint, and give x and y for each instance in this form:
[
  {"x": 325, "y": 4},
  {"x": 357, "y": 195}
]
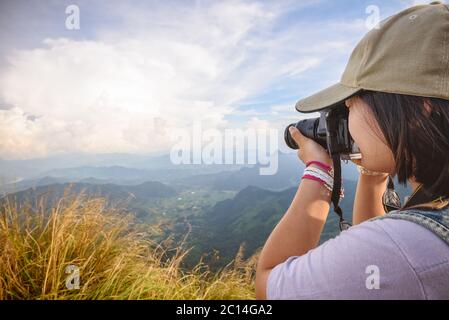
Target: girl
[{"x": 396, "y": 86}]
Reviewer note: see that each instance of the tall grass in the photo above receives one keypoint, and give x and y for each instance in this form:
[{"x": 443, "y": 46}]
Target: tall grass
[{"x": 114, "y": 255}]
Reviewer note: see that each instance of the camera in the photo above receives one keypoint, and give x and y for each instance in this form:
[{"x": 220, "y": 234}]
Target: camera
[{"x": 330, "y": 130}]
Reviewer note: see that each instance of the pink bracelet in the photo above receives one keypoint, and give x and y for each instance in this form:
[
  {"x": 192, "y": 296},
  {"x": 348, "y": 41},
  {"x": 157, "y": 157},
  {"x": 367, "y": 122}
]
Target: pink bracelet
[
  {"x": 319, "y": 164},
  {"x": 329, "y": 188}
]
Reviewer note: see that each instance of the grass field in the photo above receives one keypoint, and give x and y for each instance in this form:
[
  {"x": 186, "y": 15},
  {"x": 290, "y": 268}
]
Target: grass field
[{"x": 83, "y": 249}]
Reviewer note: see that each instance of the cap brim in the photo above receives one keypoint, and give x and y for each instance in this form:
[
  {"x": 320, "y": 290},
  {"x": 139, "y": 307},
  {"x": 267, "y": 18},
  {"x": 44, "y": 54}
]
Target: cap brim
[{"x": 326, "y": 98}]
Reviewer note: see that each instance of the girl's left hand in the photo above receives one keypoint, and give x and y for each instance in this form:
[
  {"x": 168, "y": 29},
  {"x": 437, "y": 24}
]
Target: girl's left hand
[{"x": 309, "y": 150}]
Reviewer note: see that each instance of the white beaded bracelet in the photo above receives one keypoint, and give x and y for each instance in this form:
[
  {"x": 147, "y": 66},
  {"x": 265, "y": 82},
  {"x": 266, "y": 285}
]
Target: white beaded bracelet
[{"x": 322, "y": 176}]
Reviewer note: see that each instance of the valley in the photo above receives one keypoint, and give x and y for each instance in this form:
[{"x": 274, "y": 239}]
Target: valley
[{"x": 214, "y": 216}]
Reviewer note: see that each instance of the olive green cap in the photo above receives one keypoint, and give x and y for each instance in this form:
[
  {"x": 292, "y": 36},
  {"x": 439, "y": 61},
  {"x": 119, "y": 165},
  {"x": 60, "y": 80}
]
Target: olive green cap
[{"x": 407, "y": 54}]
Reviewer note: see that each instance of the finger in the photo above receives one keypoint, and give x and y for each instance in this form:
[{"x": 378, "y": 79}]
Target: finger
[
  {"x": 299, "y": 153},
  {"x": 296, "y": 135}
]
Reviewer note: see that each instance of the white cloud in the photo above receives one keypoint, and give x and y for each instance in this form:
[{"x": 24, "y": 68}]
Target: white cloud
[{"x": 162, "y": 68}]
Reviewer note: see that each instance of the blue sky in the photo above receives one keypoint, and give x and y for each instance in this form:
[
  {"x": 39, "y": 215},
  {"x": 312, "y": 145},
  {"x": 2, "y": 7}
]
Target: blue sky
[{"x": 136, "y": 69}]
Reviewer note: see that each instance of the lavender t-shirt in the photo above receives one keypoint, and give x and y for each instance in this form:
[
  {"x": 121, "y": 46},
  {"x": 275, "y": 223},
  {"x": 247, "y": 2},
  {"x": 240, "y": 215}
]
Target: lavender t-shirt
[{"x": 381, "y": 259}]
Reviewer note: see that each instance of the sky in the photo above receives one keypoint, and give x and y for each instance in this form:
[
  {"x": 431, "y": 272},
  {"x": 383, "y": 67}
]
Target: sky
[{"x": 135, "y": 71}]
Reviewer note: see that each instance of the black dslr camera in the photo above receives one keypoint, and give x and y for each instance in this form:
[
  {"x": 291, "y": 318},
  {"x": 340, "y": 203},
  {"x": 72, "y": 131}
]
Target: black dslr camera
[{"x": 330, "y": 130}]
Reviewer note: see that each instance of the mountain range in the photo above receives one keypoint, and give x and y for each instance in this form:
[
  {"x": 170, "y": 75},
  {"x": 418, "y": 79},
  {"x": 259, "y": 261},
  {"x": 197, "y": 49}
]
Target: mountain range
[
  {"x": 215, "y": 228},
  {"x": 248, "y": 219}
]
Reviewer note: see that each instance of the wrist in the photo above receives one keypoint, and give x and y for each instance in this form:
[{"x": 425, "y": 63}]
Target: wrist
[
  {"x": 366, "y": 172},
  {"x": 316, "y": 188},
  {"x": 324, "y": 160},
  {"x": 374, "y": 180},
  {"x": 320, "y": 164},
  {"x": 323, "y": 175}
]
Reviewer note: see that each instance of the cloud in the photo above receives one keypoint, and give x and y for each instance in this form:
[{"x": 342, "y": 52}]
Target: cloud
[{"x": 160, "y": 68}]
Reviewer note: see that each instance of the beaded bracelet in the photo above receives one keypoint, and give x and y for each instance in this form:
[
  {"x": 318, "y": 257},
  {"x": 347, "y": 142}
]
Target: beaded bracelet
[
  {"x": 323, "y": 166},
  {"x": 320, "y": 174},
  {"x": 319, "y": 164},
  {"x": 324, "y": 177}
]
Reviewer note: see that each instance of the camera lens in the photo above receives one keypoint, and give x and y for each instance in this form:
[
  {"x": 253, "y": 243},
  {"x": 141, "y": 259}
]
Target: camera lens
[
  {"x": 309, "y": 128},
  {"x": 288, "y": 137}
]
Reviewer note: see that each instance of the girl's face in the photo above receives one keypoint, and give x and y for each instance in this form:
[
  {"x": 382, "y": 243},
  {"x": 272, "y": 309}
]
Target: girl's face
[{"x": 376, "y": 155}]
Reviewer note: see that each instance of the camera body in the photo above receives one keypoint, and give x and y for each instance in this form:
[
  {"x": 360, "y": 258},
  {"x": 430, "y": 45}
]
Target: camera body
[{"x": 330, "y": 130}]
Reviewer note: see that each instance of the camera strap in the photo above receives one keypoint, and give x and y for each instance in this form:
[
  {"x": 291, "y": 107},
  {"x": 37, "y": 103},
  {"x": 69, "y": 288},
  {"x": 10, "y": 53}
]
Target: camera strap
[
  {"x": 421, "y": 197},
  {"x": 335, "y": 198},
  {"x": 390, "y": 199}
]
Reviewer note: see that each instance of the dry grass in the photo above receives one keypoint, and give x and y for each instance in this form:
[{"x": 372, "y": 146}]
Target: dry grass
[{"x": 115, "y": 257}]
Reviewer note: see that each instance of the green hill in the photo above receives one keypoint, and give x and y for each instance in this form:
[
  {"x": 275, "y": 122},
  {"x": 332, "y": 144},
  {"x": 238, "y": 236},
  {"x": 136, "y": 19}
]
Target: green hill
[
  {"x": 114, "y": 193},
  {"x": 248, "y": 219}
]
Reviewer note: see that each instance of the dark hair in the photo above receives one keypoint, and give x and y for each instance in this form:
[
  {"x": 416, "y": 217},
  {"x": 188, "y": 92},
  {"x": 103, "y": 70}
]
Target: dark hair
[{"x": 417, "y": 131}]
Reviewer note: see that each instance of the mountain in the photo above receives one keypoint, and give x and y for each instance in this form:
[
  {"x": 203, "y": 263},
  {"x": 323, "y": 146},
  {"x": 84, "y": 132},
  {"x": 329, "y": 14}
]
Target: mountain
[
  {"x": 125, "y": 169},
  {"x": 25, "y": 184},
  {"x": 156, "y": 167},
  {"x": 257, "y": 204},
  {"x": 102, "y": 175},
  {"x": 288, "y": 175},
  {"x": 114, "y": 193},
  {"x": 32, "y": 168},
  {"x": 248, "y": 219}
]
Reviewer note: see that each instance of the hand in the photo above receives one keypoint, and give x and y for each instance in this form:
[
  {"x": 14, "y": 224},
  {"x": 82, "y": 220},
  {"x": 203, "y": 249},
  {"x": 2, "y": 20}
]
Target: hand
[{"x": 309, "y": 150}]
